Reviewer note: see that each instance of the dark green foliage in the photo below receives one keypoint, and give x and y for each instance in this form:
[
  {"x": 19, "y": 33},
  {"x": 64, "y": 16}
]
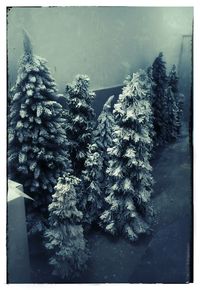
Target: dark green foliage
[
  {"x": 172, "y": 113},
  {"x": 151, "y": 84},
  {"x": 91, "y": 199},
  {"x": 159, "y": 101},
  {"x": 167, "y": 103},
  {"x": 94, "y": 177},
  {"x": 173, "y": 80},
  {"x": 79, "y": 120},
  {"x": 178, "y": 98}
]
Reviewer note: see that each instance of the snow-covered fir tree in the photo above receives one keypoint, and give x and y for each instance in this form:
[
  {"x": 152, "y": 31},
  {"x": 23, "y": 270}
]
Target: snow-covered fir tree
[
  {"x": 159, "y": 101},
  {"x": 151, "y": 85},
  {"x": 91, "y": 199},
  {"x": 94, "y": 180},
  {"x": 180, "y": 105},
  {"x": 173, "y": 80},
  {"x": 64, "y": 237},
  {"x": 130, "y": 186},
  {"x": 37, "y": 149},
  {"x": 179, "y": 98},
  {"x": 103, "y": 133},
  {"x": 79, "y": 120},
  {"x": 172, "y": 115}
]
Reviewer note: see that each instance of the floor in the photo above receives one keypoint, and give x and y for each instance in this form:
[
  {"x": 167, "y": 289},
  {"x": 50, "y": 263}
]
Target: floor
[{"x": 162, "y": 257}]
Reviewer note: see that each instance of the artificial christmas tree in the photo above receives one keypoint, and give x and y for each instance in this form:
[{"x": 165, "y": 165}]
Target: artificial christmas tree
[
  {"x": 37, "y": 149},
  {"x": 172, "y": 116},
  {"x": 151, "y": 94},
  {"x": 151, "y": 85},
  {"x": 64, "y": 237},
  {"x": 91, "y": 199},
  {"x": 131, "y": 180},
  {"x": 94, "y": 179},
  {"x": 159, "y": 101},
  {"x": 173, "y": 80},
  {"x": 79, "y": 120},
  {"x": 180, "y": 105},
  {"x": 178, "y": 98},
  {"x": 103, "y": 133}
]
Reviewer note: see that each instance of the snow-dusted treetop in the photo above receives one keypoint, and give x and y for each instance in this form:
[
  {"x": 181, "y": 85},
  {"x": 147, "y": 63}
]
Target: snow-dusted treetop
[
  {"x": 38, "y": 149},
  {"x": 28, "y": 48},
  {"x": 108, "y": 105}
]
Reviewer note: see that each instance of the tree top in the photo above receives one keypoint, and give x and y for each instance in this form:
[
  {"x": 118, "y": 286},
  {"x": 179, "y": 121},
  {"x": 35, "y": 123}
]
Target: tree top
[{"x": 28, "y": 48}]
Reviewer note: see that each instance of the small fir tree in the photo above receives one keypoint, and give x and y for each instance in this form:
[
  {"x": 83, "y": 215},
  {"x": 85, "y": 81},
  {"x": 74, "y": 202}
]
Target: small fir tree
[
  {"x": 91, "y": 200},
  {"x": 64, "y": 238},
  {"x": 103, "y": 134},
  {"x": 159, "y": 101},
  {"x": 79, "y": 120},
  {"x": 173, "y": 80},
  {"x": 180, "y": 105},
  {"x": 37, "y": 145},
  {"x": 179, "y": 98},
  {"x": 172, "y": 113},
  {"x": 94, "y": 176},
  {"x": 131, "y": 180}
]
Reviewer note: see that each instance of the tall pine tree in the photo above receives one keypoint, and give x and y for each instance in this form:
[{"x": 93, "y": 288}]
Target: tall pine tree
[
  {"x": 64, "y": 237},
  {"x": 159, "y": 101},
  {"x": 79, "y": 120},
  {"x": 131, "y": 180},
  {"x": 37, "y": 149}
]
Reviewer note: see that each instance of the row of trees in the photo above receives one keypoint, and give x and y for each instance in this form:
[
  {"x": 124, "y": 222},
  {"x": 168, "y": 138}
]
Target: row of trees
[
  {"x": 86, "y": 171},
  {"x": 167, "y": 102}
]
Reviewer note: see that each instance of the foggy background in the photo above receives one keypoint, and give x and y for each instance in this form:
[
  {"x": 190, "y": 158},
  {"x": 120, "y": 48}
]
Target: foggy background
[{"x": 106, "y": 43}]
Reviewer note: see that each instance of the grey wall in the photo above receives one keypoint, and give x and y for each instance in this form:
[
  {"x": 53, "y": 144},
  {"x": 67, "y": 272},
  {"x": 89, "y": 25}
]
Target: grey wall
[{"x": 106, "y": 43}]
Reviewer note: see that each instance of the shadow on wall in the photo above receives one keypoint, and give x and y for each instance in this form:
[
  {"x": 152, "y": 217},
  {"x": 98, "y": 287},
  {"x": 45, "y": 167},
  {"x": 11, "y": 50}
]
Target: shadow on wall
[
  {"x": 100, "y": 99},
  {"x": 103, "y": 95}
]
